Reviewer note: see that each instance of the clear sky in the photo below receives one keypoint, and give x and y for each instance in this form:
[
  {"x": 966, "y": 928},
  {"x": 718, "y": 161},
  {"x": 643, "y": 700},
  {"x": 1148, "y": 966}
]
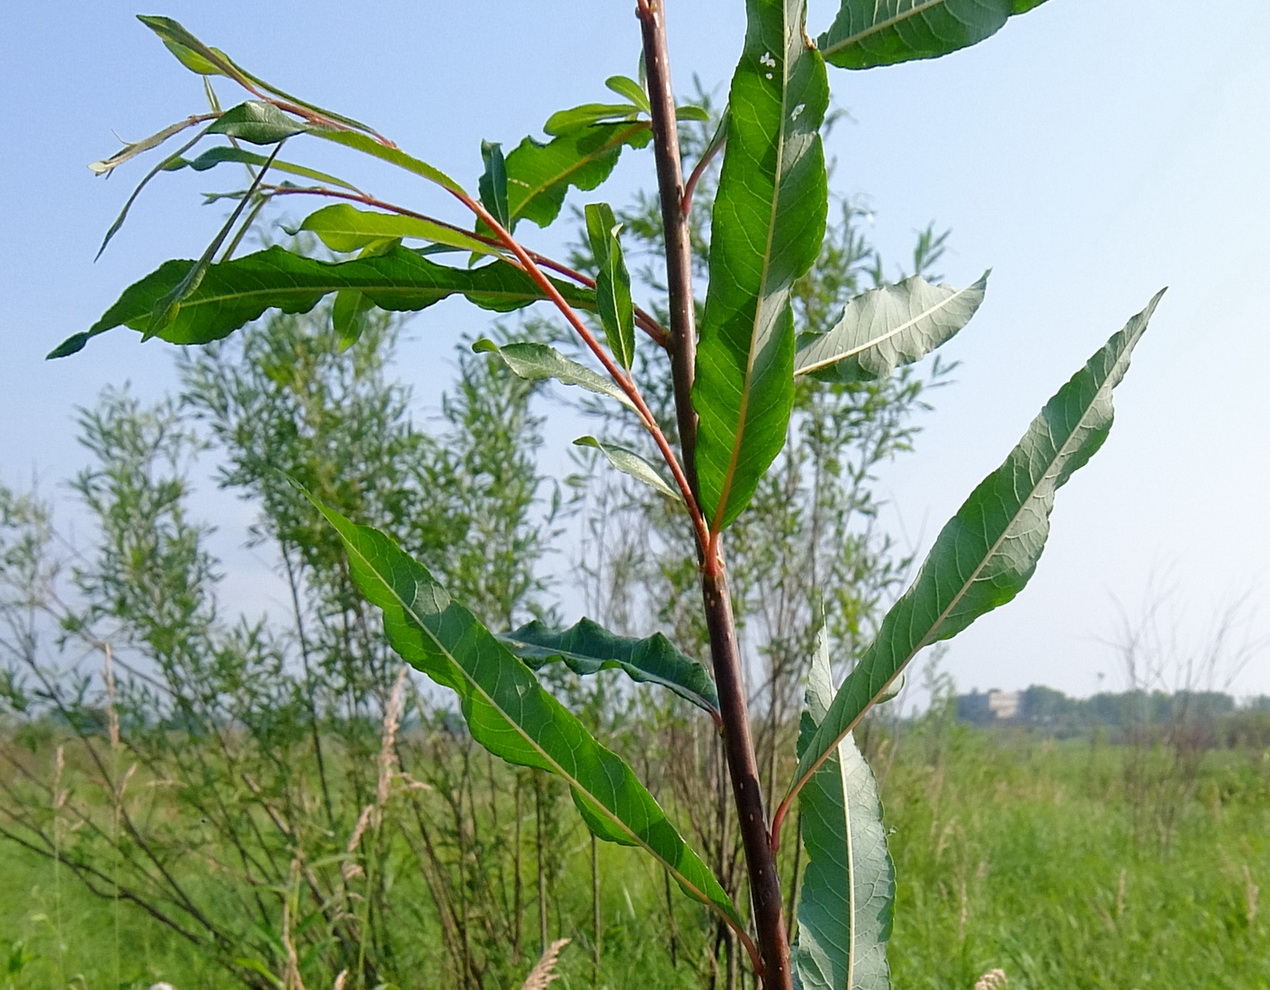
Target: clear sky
[{"x": 1090, "y": 153}]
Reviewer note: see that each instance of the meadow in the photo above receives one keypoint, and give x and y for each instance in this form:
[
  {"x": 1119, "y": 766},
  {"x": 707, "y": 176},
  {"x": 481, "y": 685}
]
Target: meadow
[{"x": 1065, "y": 864}]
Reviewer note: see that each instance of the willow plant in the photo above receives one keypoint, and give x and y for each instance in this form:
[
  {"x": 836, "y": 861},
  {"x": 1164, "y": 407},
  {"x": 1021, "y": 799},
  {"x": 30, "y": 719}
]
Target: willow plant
[{"x": 734, "y": 372}]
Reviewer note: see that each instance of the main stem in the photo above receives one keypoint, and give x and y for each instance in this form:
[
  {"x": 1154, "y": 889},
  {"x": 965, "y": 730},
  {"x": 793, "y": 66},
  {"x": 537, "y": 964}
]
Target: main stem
[{"x": 738, "y": 743}]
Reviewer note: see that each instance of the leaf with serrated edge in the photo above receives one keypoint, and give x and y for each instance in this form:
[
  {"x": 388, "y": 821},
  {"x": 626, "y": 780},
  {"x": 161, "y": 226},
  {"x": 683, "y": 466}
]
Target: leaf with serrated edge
[
  {"x": 510, "y": 714},
  {"x": 848, "y": 889},
  {"x": 887, "y": 327},
  {"x": 539, "y": 175},
  {"x": 586, "y": 647},
  {"x": 868, "y": 33},
  {"x": 987, "y": 552},
  {"x": 235, "y": 292},
  {"x": 629, "y": 462},
  {"x": 539, "y": 362},
  {"x": 767, "y": 228}
]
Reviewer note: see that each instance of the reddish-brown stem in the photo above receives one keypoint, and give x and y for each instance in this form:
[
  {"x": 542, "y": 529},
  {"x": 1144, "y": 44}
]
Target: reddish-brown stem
[
  {"x": 644, "y": 320},
  {"x": 738, "y": 744},
  {"x": 619, "y": 375}
]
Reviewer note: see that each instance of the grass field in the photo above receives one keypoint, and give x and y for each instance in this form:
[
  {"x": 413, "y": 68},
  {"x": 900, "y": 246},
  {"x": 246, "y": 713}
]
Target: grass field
[{"x": 1026, "y": 855}]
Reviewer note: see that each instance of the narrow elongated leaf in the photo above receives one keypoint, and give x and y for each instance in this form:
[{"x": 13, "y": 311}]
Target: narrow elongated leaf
[
  {"x": 768, "y": 224},
  {"x": 887, "y": 327},
  {"x": 612, "y": 283},
  {"x": 538, "y": 362},
  {"x": 493, "y": 183},
  {"x": 224, "y": 153},
  {"x": 587, "y": 647},
  {"x": 629, "y": 462},
  {"x": 235, "y": 292},
  {"x": 539, "y": 175},
  {"x": 508, "y": 711},
  {"x": 394, "y": 156},
  {"x": 987, "y": 552},
  {"x": 868, "y": 33},
  {"x": 848, "y": 890},
  {"x": 342, "y": 227},
  {"x": 131, "y": 149},
  {"x": 257, "y": 122},
  {"x": 563, "y": 121},
  {"x": 205, "y": 60}
]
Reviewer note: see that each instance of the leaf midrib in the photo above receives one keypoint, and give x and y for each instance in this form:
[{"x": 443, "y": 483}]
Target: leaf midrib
[
  {"x": 880, "y": 26},
  {"x": 529, "y": 740},
  {"x": 725, "y": 490},
  {"x": 875, "y": 341},
  {"x": 926, "y": 640}
]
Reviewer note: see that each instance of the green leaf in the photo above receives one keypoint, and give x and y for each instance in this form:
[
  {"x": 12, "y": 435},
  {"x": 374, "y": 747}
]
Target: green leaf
[
  {"x": 887, "y": 327},
  {"x": 257, "y": 122},
  {"x": 987, "y": 552},
  {"x": 633, "y": 91},
  {"x": 868, "y": 33},
  {"x": 690, "y": 111},
  {"x": 205, "y": 60},
  {"x": 394, "y": 156},
  {"x": 342, "y": 227},
  {"x": 223, "y": 153},
  {"x": 768, "y": 224},
  {"x": 563, "y": 121},
  {"x": 612, "y": 283},
  {"x": 587, "y": 647},
  {"x": 629, "y": 462},
  {"x": 539, "y": 175},
  {"x": 508, "y": 711},
  {"x": 349, "y": 316},
  {"x": 538, "y": 362},
  {"x": 493, "y": 183},
  {"x": 848, "y": 890},
  {"x": 235, "y": 292}
]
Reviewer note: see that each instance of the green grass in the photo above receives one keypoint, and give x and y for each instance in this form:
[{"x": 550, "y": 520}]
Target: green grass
[{"x": 1010, "y": 852}]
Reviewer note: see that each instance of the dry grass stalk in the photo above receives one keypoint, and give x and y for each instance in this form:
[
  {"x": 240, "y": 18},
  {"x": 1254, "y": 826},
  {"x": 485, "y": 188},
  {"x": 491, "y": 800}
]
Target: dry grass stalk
[
  {"x": 542, "y": 973},
  {"x": 388, "y": 744},
  {"x": 992, "y": 980},
  {"x": 112, "y": 714},
  {"x": 1251, "y": 890}
]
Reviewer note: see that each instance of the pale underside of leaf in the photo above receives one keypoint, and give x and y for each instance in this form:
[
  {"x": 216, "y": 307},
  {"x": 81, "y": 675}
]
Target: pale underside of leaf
[
  {"x": 508, "y": 711},
  {"x": 539, "y": 362},
  {"x": 632, "y": 464},
  {"x": 887, "y": 327},
  {"x": 988, "y": 551},
  {"x": 848, "y": 890}
]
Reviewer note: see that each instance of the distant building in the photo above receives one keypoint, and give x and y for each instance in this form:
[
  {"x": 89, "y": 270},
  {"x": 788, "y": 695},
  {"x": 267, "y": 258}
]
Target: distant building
[{"x": 985, "y": 709}]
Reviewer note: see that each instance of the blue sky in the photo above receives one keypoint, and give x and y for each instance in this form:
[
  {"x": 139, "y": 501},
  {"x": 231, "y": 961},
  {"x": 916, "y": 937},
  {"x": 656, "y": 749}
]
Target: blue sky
[{"x": 1090, "y": 153}]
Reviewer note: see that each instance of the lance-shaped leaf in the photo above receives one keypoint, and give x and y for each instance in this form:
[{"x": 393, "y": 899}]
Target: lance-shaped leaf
[
  {"x": 887, "y": 327},
  {"x": 987, "y": 552},
  {"x": 538, "y": 362},
  {"x": 539, "y": 175},
  {"x": 235, "y": 292},
  {"x": 223, "y": 153},
  {"x": 586, "y": 648},
  {"x": 631, "y": 463},
  {"x": 342, "y": 227},
  {"x": 131, "y": 149},
  {"x": 509, "y": 712},
  {"x": 848, "y": 890},
  {"x": 612, "y": 283},
  {"x": 867, "y": 33},
  {"x": 768, "y": 224},
  {"x": 563, "y": 121}
]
